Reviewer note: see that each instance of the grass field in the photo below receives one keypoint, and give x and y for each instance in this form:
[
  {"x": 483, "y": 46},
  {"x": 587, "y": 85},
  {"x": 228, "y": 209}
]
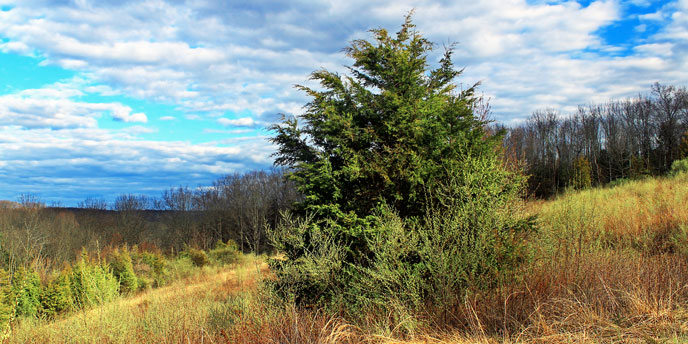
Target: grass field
[
  {"x": 178, "y": 313},
  {"x": 605, "y": 265}
]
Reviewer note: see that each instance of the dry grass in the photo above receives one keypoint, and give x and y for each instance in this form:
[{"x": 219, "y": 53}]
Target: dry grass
[
  {"x": 172, "y": 314},
  {"x": 609, "y": 265}
]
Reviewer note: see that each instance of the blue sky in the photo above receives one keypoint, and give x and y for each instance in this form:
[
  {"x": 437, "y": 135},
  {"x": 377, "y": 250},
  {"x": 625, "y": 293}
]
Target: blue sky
[{"x": 99, "y": 98}]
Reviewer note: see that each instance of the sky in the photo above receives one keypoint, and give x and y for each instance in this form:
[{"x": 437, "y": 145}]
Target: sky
[{"x": 101, "y": 98}]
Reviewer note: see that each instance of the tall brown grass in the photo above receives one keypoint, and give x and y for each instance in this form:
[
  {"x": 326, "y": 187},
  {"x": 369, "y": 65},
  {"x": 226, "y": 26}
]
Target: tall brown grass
[{"x": 608, "y": 265}]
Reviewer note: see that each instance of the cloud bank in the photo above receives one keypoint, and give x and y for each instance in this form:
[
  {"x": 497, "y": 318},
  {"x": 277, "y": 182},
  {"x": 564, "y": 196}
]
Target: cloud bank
[{"x": 234, "y": 66}]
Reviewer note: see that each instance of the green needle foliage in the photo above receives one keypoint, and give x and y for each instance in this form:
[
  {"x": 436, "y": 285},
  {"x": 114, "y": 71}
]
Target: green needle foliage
[
  {"x": 92, "y": 283},
  {"x": 387, "y": 133},
  {"x": 123, "y": 269},
  {"x": 405, "y": 200},
  {"x": 26, "y": 287},
  {"x": 56, "y": 296}
]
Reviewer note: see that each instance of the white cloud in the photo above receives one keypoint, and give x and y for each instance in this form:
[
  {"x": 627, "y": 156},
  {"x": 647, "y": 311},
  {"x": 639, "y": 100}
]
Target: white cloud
[
  {"x": 211, "y": 56},
  {"x": 15, "y": 47},
  {"x": 53, "y": 107},
  {"x": 80, "y": 162},
  {"x": 214, "y": 60},
  {"x": 123, "y": 113},
  {"x": 240, "y": 122}
]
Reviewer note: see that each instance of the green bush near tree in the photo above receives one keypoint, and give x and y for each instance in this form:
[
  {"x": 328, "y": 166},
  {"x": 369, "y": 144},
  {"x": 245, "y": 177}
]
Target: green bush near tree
[
  {"x": 7, "y": 303},
  {"x": 151, "y": 268},
  {"x": 92, "y": 283},
  {"x": 26, "y": 290},
  {"x": 679, "y": 166},
  {"x": 123, "y": 269},
  {"x": 582, "y": 177},
  {"x": 56, "y": 295},
  {"x": 224, "y": 253},
  {"x": 406, "y": 201},
  {"x": 198, "y": 257}
]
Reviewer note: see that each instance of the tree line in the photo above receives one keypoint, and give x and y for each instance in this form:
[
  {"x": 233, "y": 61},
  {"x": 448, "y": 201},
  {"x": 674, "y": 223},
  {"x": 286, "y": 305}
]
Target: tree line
[
  {"x": 601, "y": 143},
  {"x": 238, "y": 207}
]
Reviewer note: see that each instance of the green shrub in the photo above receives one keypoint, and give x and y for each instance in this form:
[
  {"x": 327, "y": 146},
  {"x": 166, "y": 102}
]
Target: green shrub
[
  {"x": 619, "y": 182},
  {"x": 123, "y": 269},
  {"x": 198, "y": 257},
  {"x": 581, "y": 178},
  {"x": 26, "y": 289},
  {"x": 151, "y": 268},
  {"x": 313, "y": 267},
  {"x": 7, "y": 303},
  {"x": 145, "y": 283},
  {"x": 679, "y": 166},
  {"x": 181, "y": 267},
  {"x": 56, "y": 296},
  {"x": 92, "y": 283},
  {"x": 224, "y": 253},
  {"x": 469, "y": 238},
  {"x": 395, "y": 275}
]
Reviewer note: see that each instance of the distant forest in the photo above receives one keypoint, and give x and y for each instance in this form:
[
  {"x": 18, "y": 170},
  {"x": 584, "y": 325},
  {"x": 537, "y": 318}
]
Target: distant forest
[
  {"x": 238, "y": 207},
  {"x": 600, "y": 143}
]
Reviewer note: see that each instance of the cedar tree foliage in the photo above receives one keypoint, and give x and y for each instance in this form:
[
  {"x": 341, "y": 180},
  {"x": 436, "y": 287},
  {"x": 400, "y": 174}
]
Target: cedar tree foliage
[
  {"x": 391, "y": 153},
  {"x": 387, "y": 133}
]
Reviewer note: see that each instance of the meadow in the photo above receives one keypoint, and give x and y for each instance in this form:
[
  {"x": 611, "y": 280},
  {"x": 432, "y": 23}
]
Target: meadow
[{"x": 605, "y": 264}]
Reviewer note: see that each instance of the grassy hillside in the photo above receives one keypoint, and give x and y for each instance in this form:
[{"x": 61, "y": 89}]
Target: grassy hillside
[
  {"x": 604, "y": 265},
  {"x": 610, "y": 264},
  {"x": 177, "y": 313}
]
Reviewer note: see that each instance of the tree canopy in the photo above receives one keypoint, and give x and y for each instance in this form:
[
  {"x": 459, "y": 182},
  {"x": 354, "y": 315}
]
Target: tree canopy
[
  {"x": 386, "y": 133},
  {"x": 405, "y": 198}
]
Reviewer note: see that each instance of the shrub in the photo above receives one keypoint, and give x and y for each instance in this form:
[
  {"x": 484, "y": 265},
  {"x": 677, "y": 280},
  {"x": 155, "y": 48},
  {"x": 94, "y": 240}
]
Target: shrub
[
  {"x": 92, "y": 283},
  {"x": 405, "y": 199},
  {"x": 7, "y": 303},
  {"x": 151, "y": 268},
  {"x": 313, "y": 267},
  {"x": 26, "y": 289},
  {"x": 469, "y": 238},
  {"x": 679, "y": 166},
  {"x": 619, "y": 182},
  {"x": 56, "y": 296},
  {"x": 181, "y": 267},
  {"x": 581, "y": 178},
  {"x": 198, "y": 257},
  {"x": 123, "y": 269},
  {"x": 224, "y": 253}
]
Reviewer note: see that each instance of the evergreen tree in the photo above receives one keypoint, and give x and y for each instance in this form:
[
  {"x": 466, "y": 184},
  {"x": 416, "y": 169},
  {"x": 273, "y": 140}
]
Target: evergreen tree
[
  {"x": 394, "y": 147},
  {"x": 387, "y": 133}
]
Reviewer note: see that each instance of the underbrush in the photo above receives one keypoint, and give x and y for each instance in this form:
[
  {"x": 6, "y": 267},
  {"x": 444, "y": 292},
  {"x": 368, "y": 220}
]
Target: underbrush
[
  {"x": 415, "y": 270},
  {"x": 97, "y": 278},
  {"x": 602, "y": 265},
  {"x": 192, "y": 309}
]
